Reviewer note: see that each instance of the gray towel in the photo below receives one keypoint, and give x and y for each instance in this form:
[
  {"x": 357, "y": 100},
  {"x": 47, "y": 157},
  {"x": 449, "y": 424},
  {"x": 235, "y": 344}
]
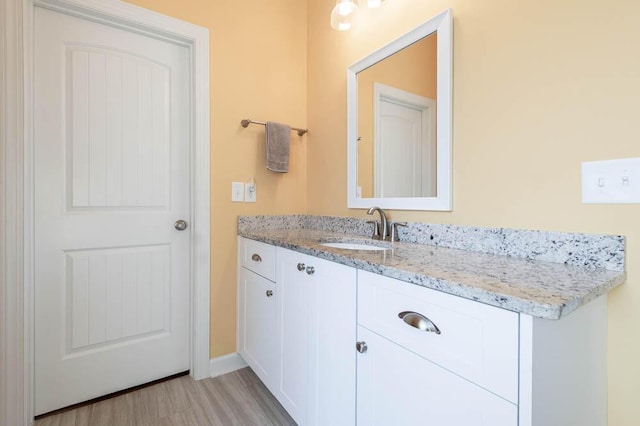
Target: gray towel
[{"x": 278, "y": 137}]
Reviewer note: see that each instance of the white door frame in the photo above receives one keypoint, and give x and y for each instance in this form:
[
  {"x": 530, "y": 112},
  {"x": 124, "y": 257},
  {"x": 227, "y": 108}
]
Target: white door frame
[{"x": 17, "y": 190}]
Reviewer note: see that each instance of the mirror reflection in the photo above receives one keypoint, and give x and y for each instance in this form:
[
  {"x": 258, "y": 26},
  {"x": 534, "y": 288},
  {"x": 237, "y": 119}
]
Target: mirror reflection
[{"x": 396, "y": 124}]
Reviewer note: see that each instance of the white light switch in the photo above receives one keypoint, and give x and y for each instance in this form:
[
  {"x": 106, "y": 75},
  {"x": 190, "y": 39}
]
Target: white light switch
[
  {"x": 611, "y": 181},
  {"x": 237, "y": 191}
]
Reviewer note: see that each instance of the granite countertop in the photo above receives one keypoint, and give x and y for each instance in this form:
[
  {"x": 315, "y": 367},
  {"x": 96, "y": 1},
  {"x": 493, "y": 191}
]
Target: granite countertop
[{"x": 539, "y": 288}]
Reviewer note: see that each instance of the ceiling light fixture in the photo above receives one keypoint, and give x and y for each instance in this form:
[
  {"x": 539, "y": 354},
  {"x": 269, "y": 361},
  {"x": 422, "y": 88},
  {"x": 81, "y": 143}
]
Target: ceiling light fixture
[
  {"x": 344, "y": 12},
  {"x": 372, "y": 4},
  {"x": 343, "y": 15}
]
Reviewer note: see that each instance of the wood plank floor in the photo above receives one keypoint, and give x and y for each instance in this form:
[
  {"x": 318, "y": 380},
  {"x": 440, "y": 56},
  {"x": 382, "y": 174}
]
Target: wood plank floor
[{"x": 237, "y": 398}]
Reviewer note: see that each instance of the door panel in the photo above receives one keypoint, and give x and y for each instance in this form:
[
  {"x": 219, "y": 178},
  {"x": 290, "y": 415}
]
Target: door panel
[
  {"x": 101, "y": 307},
  {"x": 258, "y": 322},
  {"x": 111, "y": 152},
  {"x": 292, "y": 329},
  {"x": 119, "y": 122},
  {"x": 331, "y": 348},
  {"x": 397, "y": 387}
]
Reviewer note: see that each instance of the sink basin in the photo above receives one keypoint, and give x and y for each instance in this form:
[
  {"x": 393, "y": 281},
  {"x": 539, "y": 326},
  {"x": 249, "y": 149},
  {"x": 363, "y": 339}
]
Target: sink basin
[{"x": 353, "y": 246}]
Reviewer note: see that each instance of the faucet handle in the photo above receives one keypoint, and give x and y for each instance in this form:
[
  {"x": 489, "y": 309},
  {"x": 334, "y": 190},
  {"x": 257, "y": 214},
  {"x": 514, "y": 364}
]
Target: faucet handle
[
  {"x": 393, "y": 230},
  {"x": 376, "y": 229}
]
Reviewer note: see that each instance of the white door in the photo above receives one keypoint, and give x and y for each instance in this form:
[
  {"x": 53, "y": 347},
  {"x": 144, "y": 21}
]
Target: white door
[
  {"x": 404, "y": 144},
  {"x": 111, "y": 140}
]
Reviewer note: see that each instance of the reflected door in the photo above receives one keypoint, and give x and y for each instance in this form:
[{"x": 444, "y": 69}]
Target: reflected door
[
  {"x": 404, "y": 144},
  {"x": 111, "y": 150}
]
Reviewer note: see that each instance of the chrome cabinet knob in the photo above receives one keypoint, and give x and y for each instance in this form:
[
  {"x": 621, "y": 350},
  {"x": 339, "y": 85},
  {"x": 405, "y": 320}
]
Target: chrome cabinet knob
[
  {"x": 180, "y": 225},
  {"x": 269, "y": 293},
  {"x": 256, "y": 257},
  {"x": 301, "y": 267},
  {"x": 361, "y": 347},
  {"x": 310, "y": 270}
]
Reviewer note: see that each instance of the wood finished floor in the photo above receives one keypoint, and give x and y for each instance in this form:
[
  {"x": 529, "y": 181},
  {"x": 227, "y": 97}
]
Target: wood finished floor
[{"x": 237, "y": 398}]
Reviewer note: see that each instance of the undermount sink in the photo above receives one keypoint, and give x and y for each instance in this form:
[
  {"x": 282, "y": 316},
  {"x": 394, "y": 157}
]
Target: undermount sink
[{"x": 353, "y": 246}]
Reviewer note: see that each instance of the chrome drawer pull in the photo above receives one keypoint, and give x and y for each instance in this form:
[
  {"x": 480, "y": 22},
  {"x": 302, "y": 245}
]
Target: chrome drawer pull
[
  {"x": 419, "y": 321},
  {"x": 256, "y": 257},
  {"x": 269, "y": 293},
  {"x": 361, "y": 347},
  {"x": 310, "y": 270},
  {"x": 301, "y": 267}
]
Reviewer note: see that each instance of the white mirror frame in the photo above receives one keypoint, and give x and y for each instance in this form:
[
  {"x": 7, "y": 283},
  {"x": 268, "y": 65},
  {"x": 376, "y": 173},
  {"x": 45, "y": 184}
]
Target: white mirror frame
[{"x": 442, "y": 24}]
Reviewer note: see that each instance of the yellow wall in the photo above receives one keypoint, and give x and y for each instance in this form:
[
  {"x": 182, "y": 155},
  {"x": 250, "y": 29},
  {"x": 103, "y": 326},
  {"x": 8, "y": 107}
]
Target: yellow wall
[
  {"x": 418, "y": 64},
  {"x": 258, "y": 70},
  {"x": 539, "y": 86}
]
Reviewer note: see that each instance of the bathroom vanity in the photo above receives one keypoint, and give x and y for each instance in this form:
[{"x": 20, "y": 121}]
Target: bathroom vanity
[{"x": 415, "y": 333}]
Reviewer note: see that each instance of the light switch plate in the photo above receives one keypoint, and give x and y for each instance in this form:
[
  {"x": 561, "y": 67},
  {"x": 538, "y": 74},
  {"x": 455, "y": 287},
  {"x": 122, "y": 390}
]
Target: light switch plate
[
  {"x": 237, "y": 191},
  {"x": 611, "y": 181}
]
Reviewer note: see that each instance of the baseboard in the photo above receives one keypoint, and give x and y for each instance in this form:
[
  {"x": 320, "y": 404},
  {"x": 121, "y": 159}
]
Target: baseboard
[{"x": 226, "y": 364}]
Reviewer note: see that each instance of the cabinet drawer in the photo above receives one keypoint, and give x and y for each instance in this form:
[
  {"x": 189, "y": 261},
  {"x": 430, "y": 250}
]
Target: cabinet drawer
[
  {"x": 476, "y": 341},
  {"x": 258, "y": 257}
]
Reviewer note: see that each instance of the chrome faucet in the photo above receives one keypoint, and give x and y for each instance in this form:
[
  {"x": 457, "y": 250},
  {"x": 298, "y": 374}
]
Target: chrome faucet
[
  {"x": 389, "y": 229},
  {"x": 379, "y": 234}
]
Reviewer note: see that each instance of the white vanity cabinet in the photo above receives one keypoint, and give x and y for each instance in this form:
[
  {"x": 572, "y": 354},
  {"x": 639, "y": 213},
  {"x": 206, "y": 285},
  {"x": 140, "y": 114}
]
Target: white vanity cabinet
[
  {"x": 340, "y": 346},
  {"x": 257, "y": 308},
  {"x": 316, "y": 332}
]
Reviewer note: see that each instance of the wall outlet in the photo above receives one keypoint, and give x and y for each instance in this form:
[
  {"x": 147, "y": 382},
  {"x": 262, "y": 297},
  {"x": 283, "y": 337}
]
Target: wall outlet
[
  {"x": 611, "y": 182},
  {"x": 237, "y": 191},
  {"x": 250, "y": 191}
]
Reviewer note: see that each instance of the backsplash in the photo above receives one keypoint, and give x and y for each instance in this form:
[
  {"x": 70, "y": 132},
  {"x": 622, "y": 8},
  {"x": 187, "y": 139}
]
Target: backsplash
[{"x": 586, "y": 250}]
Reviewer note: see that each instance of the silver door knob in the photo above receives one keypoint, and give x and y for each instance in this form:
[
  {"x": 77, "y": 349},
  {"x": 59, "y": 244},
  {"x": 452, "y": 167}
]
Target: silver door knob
[
  {"x": 301, "y": 267},
  {"x": 361, "y": 347},
  {"x": 180, "y": 225}
]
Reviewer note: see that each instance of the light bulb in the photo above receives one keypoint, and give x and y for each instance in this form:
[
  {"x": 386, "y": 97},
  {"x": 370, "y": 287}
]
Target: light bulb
[
  {"x": 343, "y": 15},
  {"x": 371, "y": 4}
]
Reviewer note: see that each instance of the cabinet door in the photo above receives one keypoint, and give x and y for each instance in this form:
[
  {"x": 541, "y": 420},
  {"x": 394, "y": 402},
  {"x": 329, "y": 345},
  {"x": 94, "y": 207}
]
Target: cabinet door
[
  {"x": 397, "y": 387},
  {"x": 257, "y": 331},
  {"x": 316, "y": 328},
  {"x": 332, "y": 337},
  {"x": 292, "y": 334}
]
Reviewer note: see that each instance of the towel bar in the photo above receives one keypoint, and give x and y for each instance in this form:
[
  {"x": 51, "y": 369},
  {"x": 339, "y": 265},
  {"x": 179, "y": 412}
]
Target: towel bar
[{"x": 247, "y": 121}]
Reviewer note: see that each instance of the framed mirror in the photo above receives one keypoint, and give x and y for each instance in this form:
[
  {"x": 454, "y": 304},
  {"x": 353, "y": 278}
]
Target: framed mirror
[{"x": 399, "y": 122}]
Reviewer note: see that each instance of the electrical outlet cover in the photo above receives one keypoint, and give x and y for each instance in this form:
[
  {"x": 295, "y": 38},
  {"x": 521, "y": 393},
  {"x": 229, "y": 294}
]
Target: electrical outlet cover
[{"x": 250, "y": 192}]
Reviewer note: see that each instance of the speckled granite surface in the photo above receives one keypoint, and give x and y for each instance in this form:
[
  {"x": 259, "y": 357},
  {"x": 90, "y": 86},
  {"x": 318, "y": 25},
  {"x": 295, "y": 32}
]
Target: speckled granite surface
[{"x": 547, "y": 275}]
